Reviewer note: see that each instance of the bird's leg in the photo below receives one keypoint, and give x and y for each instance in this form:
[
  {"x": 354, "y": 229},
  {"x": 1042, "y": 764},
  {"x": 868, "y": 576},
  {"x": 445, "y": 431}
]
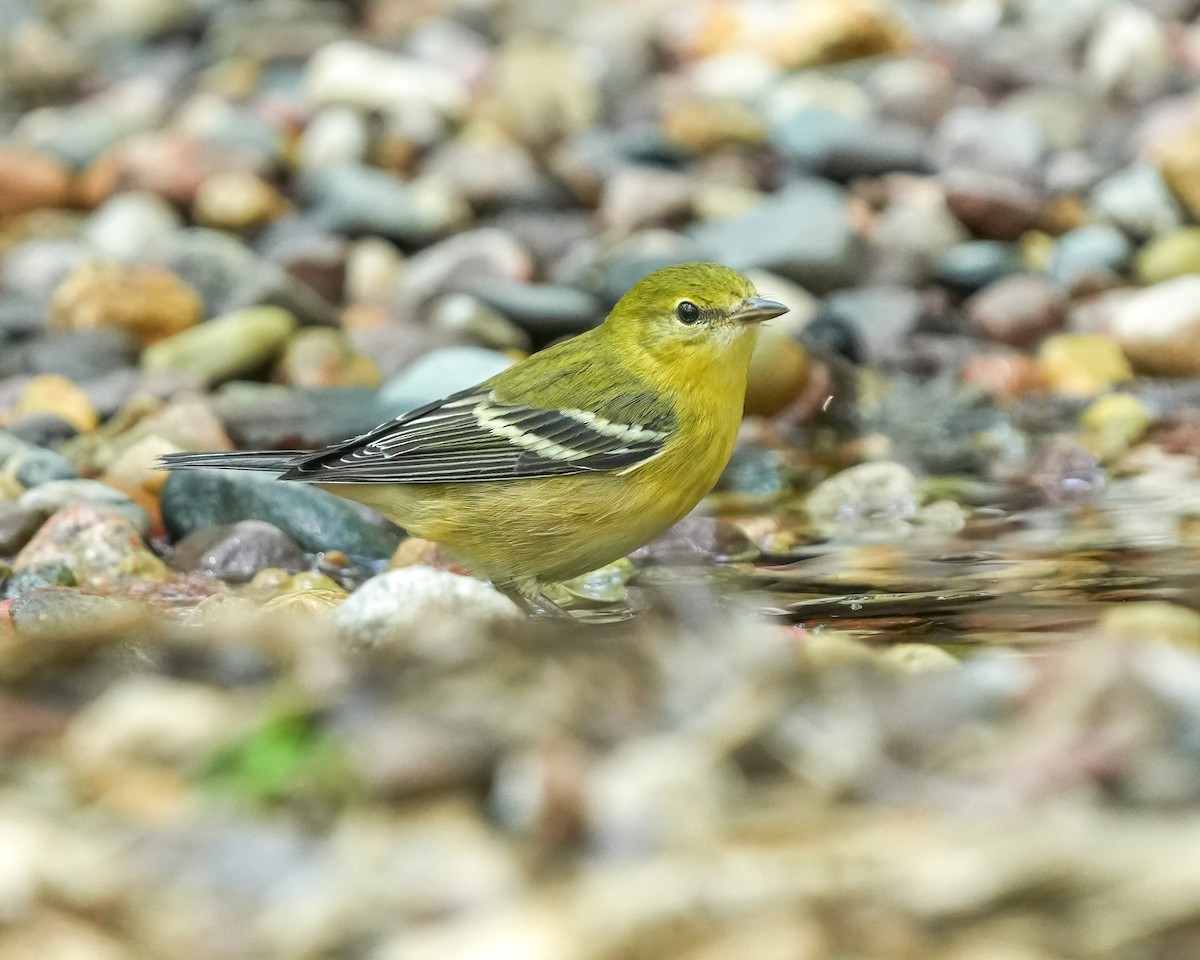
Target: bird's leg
[{"x": 535, "y": 604}]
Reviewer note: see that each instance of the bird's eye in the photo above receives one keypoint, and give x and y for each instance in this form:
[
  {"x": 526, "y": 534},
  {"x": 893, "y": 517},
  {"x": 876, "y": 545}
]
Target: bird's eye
[{"x": 687, "y": 312}]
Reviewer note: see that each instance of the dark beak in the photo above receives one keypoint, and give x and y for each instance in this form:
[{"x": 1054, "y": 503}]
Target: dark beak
[{"x": 758, "y": 309}]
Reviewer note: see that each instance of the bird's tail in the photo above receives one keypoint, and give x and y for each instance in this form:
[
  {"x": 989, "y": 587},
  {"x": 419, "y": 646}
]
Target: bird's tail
[{"x": 277, "y": 461}]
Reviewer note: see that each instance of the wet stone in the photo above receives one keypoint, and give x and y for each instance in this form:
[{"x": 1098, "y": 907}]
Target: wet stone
[
  {"x": 387, "y": 608},
  {"x": 236, "y": 552},
  {"x": 96, "y": 544},
  {"x": 697, "y": 539},
  {"x": 59, "y": 615},
  {"x": 316, "y": 520}
]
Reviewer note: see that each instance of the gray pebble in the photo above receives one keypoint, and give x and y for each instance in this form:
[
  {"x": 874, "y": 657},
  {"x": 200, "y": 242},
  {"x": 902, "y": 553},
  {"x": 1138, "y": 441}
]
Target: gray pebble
[
  {"x": 236, "y": 552},
  {"x": 56, "y": 494}
]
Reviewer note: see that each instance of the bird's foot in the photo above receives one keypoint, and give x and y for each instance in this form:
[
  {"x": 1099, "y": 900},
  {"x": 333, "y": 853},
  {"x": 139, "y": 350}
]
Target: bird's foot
[{"x": 535, "y": 604}]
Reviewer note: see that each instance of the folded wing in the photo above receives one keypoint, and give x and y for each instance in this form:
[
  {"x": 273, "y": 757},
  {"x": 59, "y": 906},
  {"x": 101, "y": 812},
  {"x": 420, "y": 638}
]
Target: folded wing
[{"x": 472, "y": 436}]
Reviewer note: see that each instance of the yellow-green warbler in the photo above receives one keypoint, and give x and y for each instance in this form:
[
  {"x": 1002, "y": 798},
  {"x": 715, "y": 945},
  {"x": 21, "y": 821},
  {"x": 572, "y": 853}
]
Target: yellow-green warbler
[{"x": 571, "y": 458}]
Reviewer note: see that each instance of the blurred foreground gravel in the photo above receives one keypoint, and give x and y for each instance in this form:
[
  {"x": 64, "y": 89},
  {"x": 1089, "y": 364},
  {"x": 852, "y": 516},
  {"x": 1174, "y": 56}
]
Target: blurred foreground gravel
[{"x": 920, "y": 681}]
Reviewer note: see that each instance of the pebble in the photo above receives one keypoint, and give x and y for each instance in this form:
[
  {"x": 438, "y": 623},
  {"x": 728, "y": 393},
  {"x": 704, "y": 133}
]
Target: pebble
[
  {"x": 211, "y": 263},
  {"x": 541, "y": 113},
  {"x": 149, "y": 719},
  {"x": 1129, "y": 54},
  {"x": 991, "y": 206},
  {"x": 1006, "y": 376},
  {"x": 544, "y": 311},
  {"x": 11, "y": 444},
  {"x": 236, "y": 552},
  {"x": 149, "y": 302},
  {"x": 335, "y": 135},
  {"x": 824, "y": 255},
  {"x": 1159, "y": 327},
  {"x": 635, "y": 197},
  {"x": 348, "y": 72},
  {"x": 390, "y": 607},
  {"x": 40, "y": 466},
  {"x": 316, "y": 520},
  {"x": 17, "y": 526},
  {"x": 60, "y": 397},
  {"x": 44, "y": 430},
  {"x": 44, "y": 577},
  {"x": 356, "y": 200},
  {"x": 1178, "y": 159},
  {"x": 832, "y": 31},
  {"x": 131, "y": 226},
  {"x": 64, "y": 621},
  {"x": 465, "y": 318},
  {"x": 873, "y": 500},
  {"x": 1018, "y": 310},
  {"x": 187, "y": 422},
  {"x": 31, "y": 181},
  {"x": 915, "y": 233},
  {"x": 237, "y": 200},
  {"x": 1089, "y": 252},
  {"x": 81, "y": 356},
  {"x": 1152, "y": 621},
  {"x": 229, "y": 346},
  {"x": 1082, "y": 364},
  {"x": 98, "y": 545},
  {"x": 1138, "y": 201},
  {"x": 1173, "y": 254},
  {"x": 779, "y": 369},
  {"x": 697, "y": 539},
  {"x": 322, "y": 358},
  {"x": 843, "y": 147},
  {"x": 881, "y": 317},
  {"x": 136, "y": 465},
  {"x": 438, "y": 374},
  {"x": 56, "y": 495},
  {"x": 472, "y": 257},
  {"x": 973, "y": 265},
  {"x": 1113, "y": 423}
]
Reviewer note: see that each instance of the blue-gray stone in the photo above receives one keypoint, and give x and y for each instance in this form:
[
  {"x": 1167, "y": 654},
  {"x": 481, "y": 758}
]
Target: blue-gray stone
[
  {"x": 438, "y": 374},
  {"x": 967, "y": 267},
  {"x": 32, "y": 579},
  {"x": 841, "y": 147},
  {"x": 39, "y": 466},
  {"x": 1096, "y": 249},
  {"x": 195, "y": 500},
  {"x": 356, "y": 199},
  {"x": 543, "y": 310},
  {"x": 802, "y": 232}
]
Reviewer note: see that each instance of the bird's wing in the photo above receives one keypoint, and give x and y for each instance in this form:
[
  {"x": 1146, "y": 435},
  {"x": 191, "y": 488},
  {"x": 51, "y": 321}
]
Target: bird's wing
[{"x": 472, "y": 436}]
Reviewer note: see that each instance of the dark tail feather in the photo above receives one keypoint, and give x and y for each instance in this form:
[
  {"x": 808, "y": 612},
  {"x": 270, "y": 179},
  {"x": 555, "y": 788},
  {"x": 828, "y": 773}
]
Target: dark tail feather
[{"x": 266, "y": 460}]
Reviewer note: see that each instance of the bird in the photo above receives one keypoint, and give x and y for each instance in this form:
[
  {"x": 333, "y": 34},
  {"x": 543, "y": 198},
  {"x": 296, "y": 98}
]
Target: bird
[{"x": 571, "y": 458}]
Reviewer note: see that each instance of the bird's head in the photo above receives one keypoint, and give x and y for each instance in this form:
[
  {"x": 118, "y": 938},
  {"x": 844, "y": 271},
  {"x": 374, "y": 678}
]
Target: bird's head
[{"x": 690, "y": 312}]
